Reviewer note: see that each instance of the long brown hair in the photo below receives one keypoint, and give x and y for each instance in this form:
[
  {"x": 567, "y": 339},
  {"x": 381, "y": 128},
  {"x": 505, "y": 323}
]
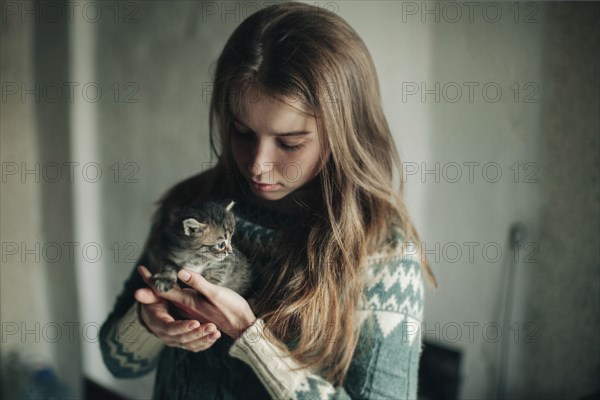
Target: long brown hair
[{"x": 301, "y": 52}]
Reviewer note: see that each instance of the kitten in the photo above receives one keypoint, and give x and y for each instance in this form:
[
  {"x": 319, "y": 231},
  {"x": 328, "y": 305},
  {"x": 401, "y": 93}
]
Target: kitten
[{"x": 198, "y": 238}]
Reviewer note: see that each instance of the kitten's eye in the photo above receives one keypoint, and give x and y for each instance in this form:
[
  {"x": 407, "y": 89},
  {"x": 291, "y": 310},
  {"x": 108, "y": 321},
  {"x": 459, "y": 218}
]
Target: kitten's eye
[{"x": 221, "y": 245}]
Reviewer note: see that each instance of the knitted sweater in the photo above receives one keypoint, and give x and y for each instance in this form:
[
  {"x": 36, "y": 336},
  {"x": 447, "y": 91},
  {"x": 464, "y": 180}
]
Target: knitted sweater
[{"x": 384, "y": 366}]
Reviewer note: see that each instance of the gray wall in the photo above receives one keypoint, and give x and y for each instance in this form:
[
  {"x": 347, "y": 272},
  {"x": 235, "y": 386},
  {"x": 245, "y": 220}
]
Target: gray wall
[
  {"x": 150, "y": 126},
  {"x": 550, "y": 130},
  {"x": 563, "y": 296}
]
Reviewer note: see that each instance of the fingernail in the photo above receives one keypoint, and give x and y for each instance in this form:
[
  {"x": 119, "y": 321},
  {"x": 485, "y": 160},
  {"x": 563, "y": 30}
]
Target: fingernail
[
  {"x": 193, "y": 325},
  {"x": 184, "y": 275}
]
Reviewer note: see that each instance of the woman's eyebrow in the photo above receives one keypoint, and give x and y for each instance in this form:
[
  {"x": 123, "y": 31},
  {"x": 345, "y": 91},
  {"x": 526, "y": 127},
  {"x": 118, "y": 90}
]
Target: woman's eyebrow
[{"x": 293, "y": 133}]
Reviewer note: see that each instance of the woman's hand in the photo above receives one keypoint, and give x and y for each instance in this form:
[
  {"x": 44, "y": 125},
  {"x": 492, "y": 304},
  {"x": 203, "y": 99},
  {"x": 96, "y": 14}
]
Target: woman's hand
[
  {"x": 187, "y": 334},
  {"x": 208, "y": 303}
]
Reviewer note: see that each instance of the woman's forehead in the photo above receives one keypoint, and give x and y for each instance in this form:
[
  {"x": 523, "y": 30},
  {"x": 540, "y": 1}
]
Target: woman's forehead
[
  {"x": 258, "y": 109},
  {"x": 241, "y": 100}
]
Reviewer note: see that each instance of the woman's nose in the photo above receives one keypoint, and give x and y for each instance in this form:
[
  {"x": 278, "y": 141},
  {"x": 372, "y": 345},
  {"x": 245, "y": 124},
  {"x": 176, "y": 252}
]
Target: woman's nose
[{"x": 261, "y": 162}]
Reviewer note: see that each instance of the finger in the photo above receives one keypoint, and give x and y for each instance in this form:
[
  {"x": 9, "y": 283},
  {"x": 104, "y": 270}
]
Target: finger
[
  {"x": 200, "y": 332},
  {"x": 203, "y": 343},
  {"x": 157, "y": 315},
  {"x": 176, "y": 329},
  {"x": 144, "y": 271},
  {"x": 197, "y": 282},
  {"x": 214, "y": 335},
  {"x": 198, "y": 346},
  {"x": 146, "y": 275},
  {"x": 146, "y": 296},
  {"x": 184, "y": 299}
]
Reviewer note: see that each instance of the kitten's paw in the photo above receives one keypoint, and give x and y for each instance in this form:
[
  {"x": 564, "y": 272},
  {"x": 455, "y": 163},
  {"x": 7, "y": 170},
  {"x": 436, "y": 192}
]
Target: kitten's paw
[{"x": 163, "y": 284}]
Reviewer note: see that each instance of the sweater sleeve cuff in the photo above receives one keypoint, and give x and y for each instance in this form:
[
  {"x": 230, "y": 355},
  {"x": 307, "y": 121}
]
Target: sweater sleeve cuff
[
  {"x": 134, "y": 338},
  {"x": 268, "y": 358}
]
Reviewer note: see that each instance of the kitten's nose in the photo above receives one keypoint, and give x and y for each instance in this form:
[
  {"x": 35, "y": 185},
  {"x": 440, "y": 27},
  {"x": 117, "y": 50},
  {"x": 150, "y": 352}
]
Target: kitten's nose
[{"x": 229, "y": 249}]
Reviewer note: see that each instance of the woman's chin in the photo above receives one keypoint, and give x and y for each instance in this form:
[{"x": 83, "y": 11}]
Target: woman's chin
[
  {"x": 270, "y": 196},
  {"x": 274, "y": 194}
]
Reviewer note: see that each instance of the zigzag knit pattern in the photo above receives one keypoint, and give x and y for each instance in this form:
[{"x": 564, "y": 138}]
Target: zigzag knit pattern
[{"x": 386, "y": 361}]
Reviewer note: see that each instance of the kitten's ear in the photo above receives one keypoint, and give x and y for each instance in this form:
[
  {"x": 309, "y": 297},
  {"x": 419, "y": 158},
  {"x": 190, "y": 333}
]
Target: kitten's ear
[
  {"x": 192, "y": 227},
  {"x": 230, "y": 206}
]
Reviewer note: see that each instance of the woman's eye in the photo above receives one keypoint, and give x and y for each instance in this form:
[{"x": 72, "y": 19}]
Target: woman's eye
[
  {"x": 249, "y": 135},
  {"x": 243, "y": 135},
  {"x": 291, "y": 147}
]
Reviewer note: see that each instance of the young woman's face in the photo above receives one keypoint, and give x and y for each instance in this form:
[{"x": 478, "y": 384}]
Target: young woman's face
[{"x": 274, "y": 145}]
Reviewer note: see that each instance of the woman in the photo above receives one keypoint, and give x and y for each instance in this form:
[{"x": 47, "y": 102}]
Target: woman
[{"x": 305, "y": 150}]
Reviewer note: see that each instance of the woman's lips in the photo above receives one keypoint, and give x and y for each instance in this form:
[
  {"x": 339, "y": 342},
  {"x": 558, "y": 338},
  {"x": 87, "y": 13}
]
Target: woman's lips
[{"x": 264, "y": 187}]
